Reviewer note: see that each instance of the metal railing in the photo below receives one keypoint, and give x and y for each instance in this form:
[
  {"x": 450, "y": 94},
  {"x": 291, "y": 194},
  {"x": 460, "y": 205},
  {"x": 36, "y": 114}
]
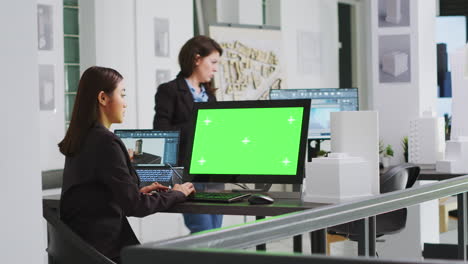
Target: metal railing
[{"x": 207, "y": 245}]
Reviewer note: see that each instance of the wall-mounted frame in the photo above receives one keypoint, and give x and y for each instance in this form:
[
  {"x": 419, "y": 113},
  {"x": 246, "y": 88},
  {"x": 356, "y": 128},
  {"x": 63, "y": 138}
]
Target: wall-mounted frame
[
  {"x": 394, "y": 13},
  {"x": 46, "y": 87},
  {"x": 45, "y": 27},
  {"x": 162, "y": 76},
  {"x": 394, "y": 59},
  {"x": 161, "y": 37}
]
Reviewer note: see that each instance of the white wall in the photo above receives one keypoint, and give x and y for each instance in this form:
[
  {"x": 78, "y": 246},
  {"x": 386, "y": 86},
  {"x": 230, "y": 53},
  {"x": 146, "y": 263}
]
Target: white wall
[
  {"x": 180, "y": 17},
  {"x": 111, "y": 43},
  {"x": 20, "y": 192},
  {"x": 427, "y": 55},
  {"x": 319, "y": 18},
  {"x": 52, "y": 125}
]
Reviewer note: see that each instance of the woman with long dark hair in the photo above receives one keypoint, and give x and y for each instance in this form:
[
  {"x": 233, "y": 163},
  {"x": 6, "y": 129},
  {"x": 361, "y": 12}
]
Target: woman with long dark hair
[
  {"x": 198, "y": 60},
  {"x": 100, "y": 186}
]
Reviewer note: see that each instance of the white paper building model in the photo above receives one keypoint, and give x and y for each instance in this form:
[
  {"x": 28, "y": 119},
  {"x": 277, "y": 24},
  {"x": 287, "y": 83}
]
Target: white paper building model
[
  {"x": 426, "y": 142},
  {"x": 393, "y": 8},
  {"x": 352, "y": 170},
  {"x": 395, "y": 63},
  {"x": 337, "y": 178},
  {"x": 456, "y": 151},
  {"x": 456, "y": 157},
  {"x": 459, "y": 68}
]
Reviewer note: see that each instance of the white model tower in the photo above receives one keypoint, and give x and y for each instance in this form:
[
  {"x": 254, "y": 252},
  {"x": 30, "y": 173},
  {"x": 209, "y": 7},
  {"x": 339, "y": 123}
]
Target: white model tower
[
  {"x": 351, "y": 171},
  {"x": 456, "y": 152}
]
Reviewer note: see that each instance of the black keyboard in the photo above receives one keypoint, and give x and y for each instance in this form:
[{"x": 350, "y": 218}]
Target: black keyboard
[
  {"x": 155, "y": 175},
  {"x": 217, "y": 197}
]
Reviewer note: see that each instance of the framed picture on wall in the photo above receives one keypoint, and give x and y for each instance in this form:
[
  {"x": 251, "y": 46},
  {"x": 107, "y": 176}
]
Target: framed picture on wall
[
  {"x": 46, "y": 87},
  {"x": 45, "y": 29},
  {"x": 394, "y": 13},
  {"x": 394, "y": 59},
  {"x": 162, "y": 76},
  {"x": 161, "y": 37}
]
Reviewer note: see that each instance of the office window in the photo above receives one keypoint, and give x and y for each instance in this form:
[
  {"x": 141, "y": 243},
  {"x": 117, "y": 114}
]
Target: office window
[{"x": 71, "y": 36}]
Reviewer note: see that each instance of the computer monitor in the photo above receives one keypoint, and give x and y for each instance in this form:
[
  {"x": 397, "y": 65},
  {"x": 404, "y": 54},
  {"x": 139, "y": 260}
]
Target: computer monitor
[
  {"x": 248, "y": 142},
  {"x": 150, "y": 148},
  {"x": 323, "y": 102}
]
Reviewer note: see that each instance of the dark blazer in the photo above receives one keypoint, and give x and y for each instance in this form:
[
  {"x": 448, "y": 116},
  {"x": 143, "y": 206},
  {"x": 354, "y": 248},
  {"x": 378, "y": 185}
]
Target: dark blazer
[
  {"x": 174, "y": 107},
  {"x": 100, "y": 188}
]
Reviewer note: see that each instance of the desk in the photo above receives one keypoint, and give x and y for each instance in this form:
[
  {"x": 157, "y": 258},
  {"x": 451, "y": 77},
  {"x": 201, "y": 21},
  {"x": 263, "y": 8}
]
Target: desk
[
  {"x": 433, "y": 175},
  {"x": 279, "y": 207}
]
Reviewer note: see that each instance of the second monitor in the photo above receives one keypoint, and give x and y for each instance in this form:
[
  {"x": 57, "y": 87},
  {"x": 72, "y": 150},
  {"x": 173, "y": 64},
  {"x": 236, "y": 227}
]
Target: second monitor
[{"x": 323, "y": 102}]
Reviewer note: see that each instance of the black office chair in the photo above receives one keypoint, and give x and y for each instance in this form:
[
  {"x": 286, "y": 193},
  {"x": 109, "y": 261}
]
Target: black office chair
[
  {"x": 64, "y": 246},
  {"x": 396, "y": 178}
]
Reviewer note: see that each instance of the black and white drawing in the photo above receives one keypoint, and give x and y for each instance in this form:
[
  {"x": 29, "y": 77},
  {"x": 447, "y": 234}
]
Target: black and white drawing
[
  {"x": 394, "y": 59},
  {"x": 161, "y": 37},
  {"x": 45, "y": 30},
  {"x": 46, "y": 87},
  {"x": 394, "y": 13}
]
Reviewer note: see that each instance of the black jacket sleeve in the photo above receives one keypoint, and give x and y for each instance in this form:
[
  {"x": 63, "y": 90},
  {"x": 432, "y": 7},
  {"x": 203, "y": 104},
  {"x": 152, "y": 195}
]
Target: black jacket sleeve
[
  {"x": 165, "y": 107},
  {"x": 115, "y": 174}
]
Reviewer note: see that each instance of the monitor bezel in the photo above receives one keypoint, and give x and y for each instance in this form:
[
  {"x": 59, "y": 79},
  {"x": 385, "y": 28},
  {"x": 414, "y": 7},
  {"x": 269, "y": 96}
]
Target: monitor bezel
[{"x": 250, "y": 178}]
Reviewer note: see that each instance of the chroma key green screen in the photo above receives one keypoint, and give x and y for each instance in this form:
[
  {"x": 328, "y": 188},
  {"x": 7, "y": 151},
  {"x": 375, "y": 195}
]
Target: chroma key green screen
[{"x": 247, "y": 141}]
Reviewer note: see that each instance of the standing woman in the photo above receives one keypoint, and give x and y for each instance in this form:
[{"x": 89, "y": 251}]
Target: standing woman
[
  {"x": 100, "y": 187},
  {"x": 198, "y": 60}
]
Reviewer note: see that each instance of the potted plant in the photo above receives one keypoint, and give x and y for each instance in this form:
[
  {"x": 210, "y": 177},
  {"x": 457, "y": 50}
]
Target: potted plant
[{"x": 387, "y": 153}]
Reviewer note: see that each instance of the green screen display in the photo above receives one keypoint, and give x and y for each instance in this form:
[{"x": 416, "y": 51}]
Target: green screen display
[{"x": 247, "y": 141}]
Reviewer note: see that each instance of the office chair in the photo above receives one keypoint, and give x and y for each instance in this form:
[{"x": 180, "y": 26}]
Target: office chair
[
  {"x": 396, "y": 178},
  {"x": 64, "y": 246}
]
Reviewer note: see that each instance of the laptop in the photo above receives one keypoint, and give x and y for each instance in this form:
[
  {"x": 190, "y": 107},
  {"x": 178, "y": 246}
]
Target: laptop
[{"x": 153, "y": 154}]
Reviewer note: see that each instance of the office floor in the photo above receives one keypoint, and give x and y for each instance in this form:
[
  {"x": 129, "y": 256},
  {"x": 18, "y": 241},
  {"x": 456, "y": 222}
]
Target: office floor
[{"x": 349, "y": 248}]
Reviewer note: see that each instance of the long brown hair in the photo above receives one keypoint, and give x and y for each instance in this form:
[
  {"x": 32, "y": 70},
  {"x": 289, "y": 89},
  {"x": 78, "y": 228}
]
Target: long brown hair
[
  {"x": 86, "y": 109},
  {"x": 199, "y": 45}
]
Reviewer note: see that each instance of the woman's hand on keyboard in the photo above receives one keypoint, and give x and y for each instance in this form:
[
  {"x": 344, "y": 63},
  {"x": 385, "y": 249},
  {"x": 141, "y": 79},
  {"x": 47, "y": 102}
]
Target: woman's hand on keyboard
[
  {"x": 154, "y": 187},
  {"x": 186, "y": 188}
]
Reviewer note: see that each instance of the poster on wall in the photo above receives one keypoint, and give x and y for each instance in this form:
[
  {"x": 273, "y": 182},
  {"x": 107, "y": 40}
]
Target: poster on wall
[
  {"x": 161, "y": 37},
  {"x": 45, "y": 31},
  {"x": 394, "y": 13},
  {"x": 394, "y": 59},
  {"x": 46, "y": 87},
  {"x": 162, "y": 76},
  {"x": 250, "y": 65}
]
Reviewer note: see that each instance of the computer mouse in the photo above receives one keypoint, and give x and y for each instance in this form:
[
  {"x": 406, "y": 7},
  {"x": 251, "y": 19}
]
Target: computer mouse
[{"x": 260, "y": 199}]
